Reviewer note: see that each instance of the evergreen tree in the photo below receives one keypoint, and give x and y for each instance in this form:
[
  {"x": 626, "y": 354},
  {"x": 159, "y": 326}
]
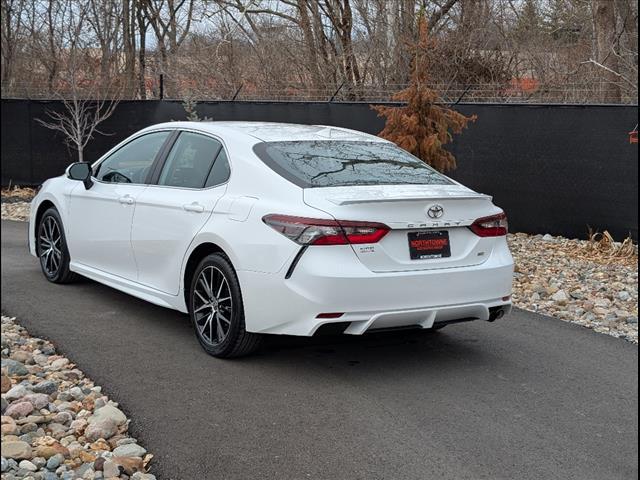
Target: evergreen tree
[{"x": 423, "y": 126}]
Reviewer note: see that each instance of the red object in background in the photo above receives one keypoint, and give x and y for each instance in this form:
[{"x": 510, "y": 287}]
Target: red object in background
[{"x": 633, "y": 135}]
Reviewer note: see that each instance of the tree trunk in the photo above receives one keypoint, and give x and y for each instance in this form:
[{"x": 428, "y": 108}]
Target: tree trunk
[
  {"x": 9, "y": 35},
  {"x": 52, "y": 63},
  {"x": 403, "y": 31},
  {"x": 352, "y": 69},
  {"x": 627, "y": 25},
  {"x": 310, "y": 45},
  {"x": 142, "y": 59},
  {"x": 604, "y": 17},
  {"x": 129, "y": 39}
]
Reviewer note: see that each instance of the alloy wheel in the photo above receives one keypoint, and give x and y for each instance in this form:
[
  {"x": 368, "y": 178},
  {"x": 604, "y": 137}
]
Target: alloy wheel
[
  {"x": 212, "y": 305},
  {"x": 50, "y": 246}
]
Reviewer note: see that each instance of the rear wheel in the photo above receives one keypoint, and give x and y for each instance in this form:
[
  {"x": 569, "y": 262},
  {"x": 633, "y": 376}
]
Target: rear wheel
[
  {"x": 52, "y": 248},
  {"x": 216, "y": 309}
]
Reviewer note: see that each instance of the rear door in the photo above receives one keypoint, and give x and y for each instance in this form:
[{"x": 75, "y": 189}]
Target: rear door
[{"x": 171, "y": 211}]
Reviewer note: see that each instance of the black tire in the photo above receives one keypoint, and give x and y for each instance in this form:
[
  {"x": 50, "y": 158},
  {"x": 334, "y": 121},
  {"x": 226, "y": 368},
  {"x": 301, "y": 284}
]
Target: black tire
[
  {"x": 55, "y": 263},
  {"x": 216, "y": 269}
]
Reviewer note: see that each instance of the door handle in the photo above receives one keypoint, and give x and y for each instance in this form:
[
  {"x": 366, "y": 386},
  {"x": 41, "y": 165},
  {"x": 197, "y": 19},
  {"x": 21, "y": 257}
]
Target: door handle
[
  {"x": 193, "y": 207},
  {"x": 126, "y": 200}
]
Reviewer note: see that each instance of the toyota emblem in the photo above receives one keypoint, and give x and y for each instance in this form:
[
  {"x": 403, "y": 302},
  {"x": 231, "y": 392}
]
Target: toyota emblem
[{"x": 435, "y": 211}]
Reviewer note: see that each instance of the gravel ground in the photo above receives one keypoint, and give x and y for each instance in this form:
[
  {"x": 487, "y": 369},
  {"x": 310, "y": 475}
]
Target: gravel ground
[
  {"x": 15, "y": 210},
  {"x": 55, "y": 422},
  {"x": 578, "y": 281},
  {"x": 573, "y": 280}
]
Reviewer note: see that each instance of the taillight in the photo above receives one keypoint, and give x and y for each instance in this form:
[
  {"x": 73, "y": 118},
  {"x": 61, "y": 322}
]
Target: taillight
[
  {"x": 493, "y": 226},
  {"x": 313, "y": 231}
]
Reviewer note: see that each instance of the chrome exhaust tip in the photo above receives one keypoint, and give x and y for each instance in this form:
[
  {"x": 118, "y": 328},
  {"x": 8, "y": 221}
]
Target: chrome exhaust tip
[{"x": 495, "y": 313}]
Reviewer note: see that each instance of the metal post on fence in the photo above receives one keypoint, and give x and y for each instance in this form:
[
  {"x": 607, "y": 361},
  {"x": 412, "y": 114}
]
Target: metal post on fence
[
  {"x": 235, "y": 95},
  {"x": 336, "y": 92},
  {"x": 462, "y": 96},
  {"x": 30, "y": 137},
  {"x": 161, "y": 86}
]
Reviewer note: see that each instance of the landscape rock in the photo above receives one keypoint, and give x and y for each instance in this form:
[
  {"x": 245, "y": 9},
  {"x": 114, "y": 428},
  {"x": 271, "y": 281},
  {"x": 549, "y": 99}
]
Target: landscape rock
[
  {"x": 17, "y": 450},
  {"x": 51, "y": 450},
  {"x": 27, "y": 465},
  {"x": 56, "y": 424},
  {"x": 47, "y": 387},
  {"x": 38, "y": 400},
  {"x": 22, "y": 356},
  {"x": 55, "y": 461},
  {"x": 19, "y": 409},
  {"x": 108, "y": 411},
  {"x": 5, "y": 383},
  {"x": 59, "y": 363},
  {"x": 143, "y": 476},
  {"x": 104, "y": 428},
  {"x": 110, "y": 469},
  {"x": 560, "y": 297},
  {"x": 129, "y": 450},
  {"x": 39, "y": 462},
  {"x": 624, "y": 296},
  {"x": 16, "y": 393},
  {"x": 14, "y": 368}
]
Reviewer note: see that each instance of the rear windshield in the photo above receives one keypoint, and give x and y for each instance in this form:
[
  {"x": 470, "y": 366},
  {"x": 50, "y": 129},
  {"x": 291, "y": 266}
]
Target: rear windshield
[{"x": 329, "y": 163}]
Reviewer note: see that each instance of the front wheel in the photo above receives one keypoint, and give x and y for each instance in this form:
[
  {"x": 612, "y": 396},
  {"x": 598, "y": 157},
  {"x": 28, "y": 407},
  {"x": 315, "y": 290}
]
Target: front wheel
[
  {"x": 52, "y": 248},
  {"x": 216, "y": 309}
]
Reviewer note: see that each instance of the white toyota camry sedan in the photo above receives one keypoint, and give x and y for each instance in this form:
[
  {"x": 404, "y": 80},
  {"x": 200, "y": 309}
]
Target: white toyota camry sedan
[{"x": 266, "y": 228}]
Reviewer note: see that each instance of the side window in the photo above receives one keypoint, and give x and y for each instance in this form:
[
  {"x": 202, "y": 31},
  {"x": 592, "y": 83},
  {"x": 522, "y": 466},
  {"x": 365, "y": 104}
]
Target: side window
[
  {"x": 132, "y": 163},
  {"x": 220, "y": 171},
  {"x": 189, "y": 161}
]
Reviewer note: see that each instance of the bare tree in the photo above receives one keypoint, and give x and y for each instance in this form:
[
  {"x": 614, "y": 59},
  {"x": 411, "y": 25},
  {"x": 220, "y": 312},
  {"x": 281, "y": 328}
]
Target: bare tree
[
  {"x": 11, "y": 30},
  {"x": 87, "y": 100},
  {"x": 79, "y": 120},
  {"x": 106, "y": 22},
  {"x": 487, "y": 50},
  {"x": 171, "y": 22}
]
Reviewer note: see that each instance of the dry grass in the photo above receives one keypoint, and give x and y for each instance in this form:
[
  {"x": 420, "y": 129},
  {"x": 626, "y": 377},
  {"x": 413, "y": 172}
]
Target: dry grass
[
  {"x": 17, "y": 192},
  {"x": 602, "y": 248}
]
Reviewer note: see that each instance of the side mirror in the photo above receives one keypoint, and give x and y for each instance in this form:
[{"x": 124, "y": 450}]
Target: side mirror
[{"x": 80, "y": 171}]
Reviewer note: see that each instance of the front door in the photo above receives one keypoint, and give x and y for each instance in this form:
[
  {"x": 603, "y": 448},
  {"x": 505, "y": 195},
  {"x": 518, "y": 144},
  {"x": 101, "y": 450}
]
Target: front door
[
  {"x": 172, "y": 211},
  {"x": 100, "y": 218}
]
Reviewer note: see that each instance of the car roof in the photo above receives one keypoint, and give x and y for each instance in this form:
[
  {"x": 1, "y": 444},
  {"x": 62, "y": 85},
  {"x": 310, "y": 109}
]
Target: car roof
[{"x": 273, "y": 131}]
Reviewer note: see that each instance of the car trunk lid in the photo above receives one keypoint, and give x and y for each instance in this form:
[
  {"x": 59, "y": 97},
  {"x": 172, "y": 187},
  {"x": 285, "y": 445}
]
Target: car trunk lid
[{"x": 405, "y": 209}]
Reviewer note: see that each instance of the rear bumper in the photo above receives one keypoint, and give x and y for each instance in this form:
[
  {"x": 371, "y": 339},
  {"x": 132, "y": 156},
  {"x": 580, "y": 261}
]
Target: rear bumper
[{"x": 333, "y": 280}]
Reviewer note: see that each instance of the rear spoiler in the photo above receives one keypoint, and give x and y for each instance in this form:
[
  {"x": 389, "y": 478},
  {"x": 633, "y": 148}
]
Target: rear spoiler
[{"x": 337, "y": 200}]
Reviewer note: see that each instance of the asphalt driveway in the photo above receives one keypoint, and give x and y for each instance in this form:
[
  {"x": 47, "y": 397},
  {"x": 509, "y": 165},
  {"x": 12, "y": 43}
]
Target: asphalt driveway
[{"x": 527, "y": 397}]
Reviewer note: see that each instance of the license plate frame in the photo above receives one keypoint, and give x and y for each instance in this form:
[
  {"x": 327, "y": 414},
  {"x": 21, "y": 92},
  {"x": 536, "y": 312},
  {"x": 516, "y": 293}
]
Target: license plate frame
[{"x": 429, "y": 244}]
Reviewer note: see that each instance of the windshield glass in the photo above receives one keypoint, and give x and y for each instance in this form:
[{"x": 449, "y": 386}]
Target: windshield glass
[{"x": 329, "y": 163}]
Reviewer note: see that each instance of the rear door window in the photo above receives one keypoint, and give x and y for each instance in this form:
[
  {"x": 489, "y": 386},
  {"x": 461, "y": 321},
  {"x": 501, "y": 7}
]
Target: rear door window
[
  {"x": 220, "y": 171},
  {"x": 329, "y": 163},
  {"x": 190, "y": 161}
]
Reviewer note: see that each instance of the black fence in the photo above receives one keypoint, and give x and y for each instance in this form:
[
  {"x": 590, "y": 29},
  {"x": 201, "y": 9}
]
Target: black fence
[{"x": 553, "y": 168}]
